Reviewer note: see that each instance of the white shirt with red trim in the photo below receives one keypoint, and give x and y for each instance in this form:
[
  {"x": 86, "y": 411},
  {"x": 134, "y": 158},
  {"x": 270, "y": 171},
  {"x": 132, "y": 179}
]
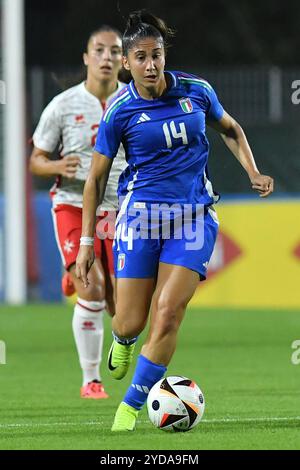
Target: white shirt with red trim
[{"x": 71, "y": 120}]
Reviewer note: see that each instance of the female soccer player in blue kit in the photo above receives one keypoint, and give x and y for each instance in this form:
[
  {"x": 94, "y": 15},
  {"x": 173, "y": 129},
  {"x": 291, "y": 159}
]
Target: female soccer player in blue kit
[{"x": 160, "y": 118}]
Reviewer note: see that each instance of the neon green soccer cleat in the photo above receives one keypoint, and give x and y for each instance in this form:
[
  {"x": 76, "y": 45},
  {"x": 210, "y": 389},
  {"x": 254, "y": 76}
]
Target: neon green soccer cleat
[
  {"x": 119, "y": 359},
  {"x": 125, "y": 418}
]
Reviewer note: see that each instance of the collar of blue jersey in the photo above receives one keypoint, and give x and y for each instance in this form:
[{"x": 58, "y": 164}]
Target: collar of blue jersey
[{"x": 136, "y": 93}]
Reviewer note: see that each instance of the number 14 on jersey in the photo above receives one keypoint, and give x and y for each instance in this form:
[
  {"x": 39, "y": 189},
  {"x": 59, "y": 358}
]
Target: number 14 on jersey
[{"x": 171, "y": 132}]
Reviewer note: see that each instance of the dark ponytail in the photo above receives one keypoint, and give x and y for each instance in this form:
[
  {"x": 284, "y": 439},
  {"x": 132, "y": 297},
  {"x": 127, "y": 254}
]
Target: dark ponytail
[{"x": 142, "y": 24}]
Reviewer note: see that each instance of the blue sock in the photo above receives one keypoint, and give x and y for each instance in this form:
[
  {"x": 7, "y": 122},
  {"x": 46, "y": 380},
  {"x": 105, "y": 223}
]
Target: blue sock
[{"x": 146, "y": 375}]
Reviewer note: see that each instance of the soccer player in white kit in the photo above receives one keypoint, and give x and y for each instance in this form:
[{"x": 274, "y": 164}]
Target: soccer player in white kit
[{"x": 71, "y": 121}]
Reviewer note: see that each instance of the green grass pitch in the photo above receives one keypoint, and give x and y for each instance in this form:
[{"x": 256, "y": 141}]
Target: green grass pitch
[{"x": 241, "y": 359}]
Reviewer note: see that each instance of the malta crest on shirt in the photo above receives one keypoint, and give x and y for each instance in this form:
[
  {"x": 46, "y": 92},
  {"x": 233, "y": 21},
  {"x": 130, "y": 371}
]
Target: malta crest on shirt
[
  {"x": 121, "y": 262},
  {"x": 186, "y": 105},
  {"x": 68, "y": 246}
]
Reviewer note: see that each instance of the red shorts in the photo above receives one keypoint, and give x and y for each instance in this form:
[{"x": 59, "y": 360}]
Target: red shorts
[{"x": 67, "y": 225}]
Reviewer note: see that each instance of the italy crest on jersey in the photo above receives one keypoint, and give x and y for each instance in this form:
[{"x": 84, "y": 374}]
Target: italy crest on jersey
[
  {"x": 121, "y": 262},
  {"x": 186, "y": 105}
]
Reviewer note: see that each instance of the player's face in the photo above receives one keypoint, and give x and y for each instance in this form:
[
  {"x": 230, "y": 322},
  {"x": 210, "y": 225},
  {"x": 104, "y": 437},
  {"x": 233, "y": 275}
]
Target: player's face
[
  {"x": 146, "y": 62},
  {"x": 104, "y": 56}
]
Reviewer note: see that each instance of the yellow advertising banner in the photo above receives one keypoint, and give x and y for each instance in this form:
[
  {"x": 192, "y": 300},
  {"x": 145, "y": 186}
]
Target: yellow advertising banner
[{"x": 256, "y": 261}]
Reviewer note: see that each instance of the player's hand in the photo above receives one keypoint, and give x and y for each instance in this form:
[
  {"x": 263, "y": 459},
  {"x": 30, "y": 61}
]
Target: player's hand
[
  {"x": 68, "y": 165},
  {"x": 263, "y": 184},
  {"x": 84, "y": 262}
]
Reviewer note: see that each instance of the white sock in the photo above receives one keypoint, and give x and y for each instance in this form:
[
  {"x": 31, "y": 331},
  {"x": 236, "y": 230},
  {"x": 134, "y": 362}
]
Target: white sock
[{"x": 88, "y": 333}]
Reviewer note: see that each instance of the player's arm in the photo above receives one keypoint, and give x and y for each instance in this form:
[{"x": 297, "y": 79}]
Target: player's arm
[
  {"x": 40, "y": 164},
  {"x": 235, "y": 139},
  {"x": 93, "y": 193},
  {"x": 46, "y": 138}
]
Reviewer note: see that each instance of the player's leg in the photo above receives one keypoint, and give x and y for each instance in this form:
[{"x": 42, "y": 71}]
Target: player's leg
[
  {"x": 177, "y": 282},
  {"x": 175, "y": 287},
  {"x": 88, "y": 311},
  {"x": 133, "y": 299},
  {"x": 178, "y": 277},
  {"x": 136, "y": 263},
  {"x": 107, "y": 262},
  {"x": 132, "y": 314},
  {"x": 110, "y": 293},
  {"x": 88, "y": 329}
]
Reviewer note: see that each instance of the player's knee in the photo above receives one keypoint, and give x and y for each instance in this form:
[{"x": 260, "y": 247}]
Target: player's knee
[
  {"x": 168, "y": 316},
  {"x": 95, "y": 292},
  {"x": 166, "y": 320},
  {"x": 129, "y": 328}
]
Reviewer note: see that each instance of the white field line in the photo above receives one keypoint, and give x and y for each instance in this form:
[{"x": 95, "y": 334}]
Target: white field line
[{"x": 101, "y": 423}]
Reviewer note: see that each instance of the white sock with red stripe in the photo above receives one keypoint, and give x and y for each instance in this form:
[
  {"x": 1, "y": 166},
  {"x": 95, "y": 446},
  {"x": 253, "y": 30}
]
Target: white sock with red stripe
[{"x": 88, "y": 333}]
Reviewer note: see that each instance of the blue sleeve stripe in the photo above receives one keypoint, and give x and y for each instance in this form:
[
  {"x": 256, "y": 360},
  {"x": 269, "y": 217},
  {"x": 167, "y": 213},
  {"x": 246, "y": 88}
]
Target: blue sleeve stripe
[{"x": 118, "y": 102}]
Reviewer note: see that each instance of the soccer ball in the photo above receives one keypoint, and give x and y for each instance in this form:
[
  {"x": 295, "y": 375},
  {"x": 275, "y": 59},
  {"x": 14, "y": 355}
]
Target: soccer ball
[{"x": 175, "y": 403}]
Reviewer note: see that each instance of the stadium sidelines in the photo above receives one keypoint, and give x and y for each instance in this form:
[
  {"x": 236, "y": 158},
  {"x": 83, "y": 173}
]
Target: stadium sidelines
[{"x": 208, "y": 421}]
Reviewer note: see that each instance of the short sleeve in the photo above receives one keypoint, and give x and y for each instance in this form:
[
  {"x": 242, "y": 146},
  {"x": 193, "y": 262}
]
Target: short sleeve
[
  {"x": 215, "y": 110},
  {"x": 48, "y": 132},
  {"x": 109, "y": 135}
]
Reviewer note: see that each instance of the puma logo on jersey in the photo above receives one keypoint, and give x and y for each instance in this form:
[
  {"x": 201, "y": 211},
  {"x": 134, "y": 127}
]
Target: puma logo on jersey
[{"x": 143, "y": 118}]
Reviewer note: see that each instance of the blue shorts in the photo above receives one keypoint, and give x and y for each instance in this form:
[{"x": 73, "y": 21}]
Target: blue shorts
[{"x": 142, "y": 242}]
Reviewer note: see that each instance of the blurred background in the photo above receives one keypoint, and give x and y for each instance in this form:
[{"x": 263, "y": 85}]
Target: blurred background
[{"x": 249, "y": 52}]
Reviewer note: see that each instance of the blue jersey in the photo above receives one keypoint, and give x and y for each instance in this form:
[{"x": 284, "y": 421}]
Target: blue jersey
[{"x": 164, "y": 140}]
